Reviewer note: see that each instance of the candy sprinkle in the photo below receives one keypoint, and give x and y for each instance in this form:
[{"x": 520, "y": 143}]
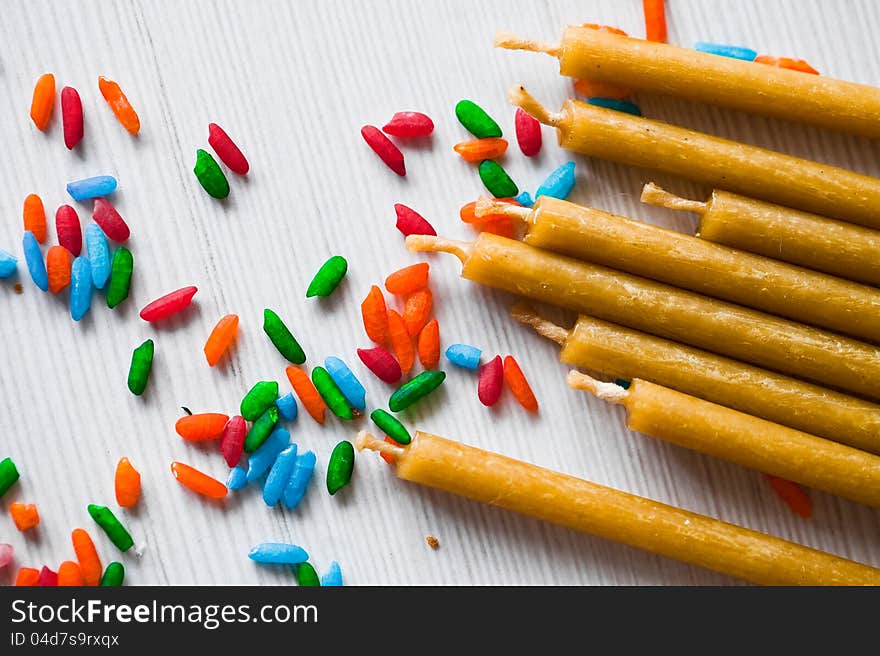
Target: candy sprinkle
[
  {"x": 282, "y": 338},
  {"x": 113, "y": 575},
  {"x": 409, "y": 124},
  {"x": 410, "y": 222},
  {"x": 307, "y": 393},
  {"x": 491, "y": 381},
  {"x": 27, "y": 576},
  {"x": 201, "y": 427},
  {"x": 210, "y": 175},
  {"x": 270, "y": 553},
  {"x": 559, "y": 183},
  {"x": 332, "y": 577},
  {"x": 48, "y": 578},
  {"x": 68, "y": 229},
  {"x": 464, "y": 355},
  {"x": 58, "y": 263},
  {"x": 415, "y": 389},
  {"x": 113, "y": 225},
  {"x": 279, "y": 475},
  {"x": 595, "y": 89},
  {"x": 299, "y": 480},
  {"x": 655, "y": 20},
  {"x": 34, "y": 216},
  {"x": 794, "y": 496},
  {"x": 232, "y": 440},
  {"x": 380, "y": 361},
  {"x": 226, "y": 150},
  {"x": 127, "y": 484},
  {"x": 141, "y": 365},
  {"x": 477, "y": 150},
  {"x": 80, "y": 288},
  {"x": 347, "y": 382},
  {"x": 416, "y": 311},
  {"x": 328, "y": 277},
  {"x": 261, "y": 429},
  {"x": 384, "y": 148},
  {"x": 168, "y": 305},
  {"x": 306, "y": 576},
  {"x": 70, "y": 574},
  {"x": 332, "y": 395},
  {"x": 401, "y": 341},
  {"x": 8, "y": 264},
  {"x": 99, "y": 255},
  {"x": 43, "y": 101},
  {"x": 800, "y": 65},
  {"x": 259, "y": 399},
  {"x": 117, "y": 533},
  {"x": 496, "y": 180},
  {"x": 6, "y": 554},
  {"x": 735, "y": 52},
  {"x": 261, "y": 460},
  {"x": 408, "y": 279},
  {"x": 287, "y": 407},
  {"x": 476, "y": 121},
  {"x": 121, "y": 269},
  {"x": 100, "y": 185},
  {"x": 24, "y": 515},
  {"x": 428, "y": 345},
  {"x": 237, "y": 479},
  {"x": 375, "y": 316},
  {"x": 221, "y": 337},
  {"x": 389, "y": 425},
  {"x": 87, "y": 556},
  {"x": 518, "y": 384},
  {"x": 120, "y": 106},
  {"x": 71, "y": 117},
  {"x": 8, "y": 475},
  {"x": 617, "y": 105},
  {"x": 528, "y": 133},
  {"x": 197, "y": 481},
  {"x": 340, "y": 467},
  {"x": 34, "y": 260}
]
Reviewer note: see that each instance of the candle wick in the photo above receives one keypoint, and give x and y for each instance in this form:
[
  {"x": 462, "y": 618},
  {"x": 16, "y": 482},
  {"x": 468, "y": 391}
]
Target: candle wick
[
  {"x": 653, "y": 194},
  {"x": 521, "y": 98},
  {"x": 365, "y": 440},
  {"x": 486, "y": 206},
  {"x": 605, "y": 391},
  {"x": 434, "y": 244},
  {"x": 524, "y": 313},
  {"x": 510, "y": 41}
]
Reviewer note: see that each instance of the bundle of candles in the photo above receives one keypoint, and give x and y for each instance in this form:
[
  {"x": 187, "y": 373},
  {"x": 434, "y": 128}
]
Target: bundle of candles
[{"x": 755, "y": 341}]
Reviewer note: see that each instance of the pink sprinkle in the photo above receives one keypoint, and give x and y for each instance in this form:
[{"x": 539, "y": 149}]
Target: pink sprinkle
[
  {"x": 409, "y": 124},
  {"x": 172, "y": 303},
  {"x": 380, "y": 361},
  {"x": 68, "y": 229},
  {"x": 384, "y": 148},
  {"x": 232, "y": 440},
  {"x": 48, "y": 578},
  {"x": 6, "y": 552},
  {"x": 491, "y": 381},
  {"x": 71, "y": 117},
  {"x": 410, "y": 222},
  {"x": 108, "y": 218},
  {"x": 226, "y": 150},
  {"x": 528, "y": 133}
]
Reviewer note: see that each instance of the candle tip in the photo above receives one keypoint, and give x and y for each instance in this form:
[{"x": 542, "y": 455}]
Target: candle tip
[
  {"x": 435, "y": 244},
  {"x": 521, "y": 98},
  {"x": 365, "y": 440},
  {"x": 653, "y": 194},
  {"x": 486, "y": 206},
  {"x": 510, "y": 41},
  {"x": 524, "y": 313},
  {"x": 605, "y": 391}
]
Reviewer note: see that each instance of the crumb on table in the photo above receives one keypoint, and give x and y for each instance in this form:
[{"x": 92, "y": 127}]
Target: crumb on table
[
  {"x": 18, "y": 288},
  {"x": 433, "y": 542}
]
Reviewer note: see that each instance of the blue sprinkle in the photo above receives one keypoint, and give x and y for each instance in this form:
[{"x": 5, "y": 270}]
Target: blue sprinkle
[
  {"x": 237, "y": 478},
  {"x": 278, "y": 476},
  {"x": 277, "y": 553},
  {"x": 299, "y": 479},
  {"x": 261, "y": 459},
  {"x": 559, "y": 183},
  {"x": 8, "y": 264},
  {"x": 620, "y": 382},
  {"x": 287, "y": 406},
  {"x": 617, "y": 105},
  {"x": 99, "y": 255},
  {"x": 464, "y": 355},
  {"x": 347, "y": 382},
  {"x": 80, "y": 288},
  {"x": 524, "y": 198},
  {"x": 736, "y": 52},
  {"x": 34, "y": 260},
  {"x": 100, "y": 185},
  {"x": 332, "y": 577}
]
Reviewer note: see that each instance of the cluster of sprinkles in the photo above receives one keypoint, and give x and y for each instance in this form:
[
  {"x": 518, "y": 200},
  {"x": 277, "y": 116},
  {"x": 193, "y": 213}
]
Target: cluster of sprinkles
[{"x": 208, "y": 171}]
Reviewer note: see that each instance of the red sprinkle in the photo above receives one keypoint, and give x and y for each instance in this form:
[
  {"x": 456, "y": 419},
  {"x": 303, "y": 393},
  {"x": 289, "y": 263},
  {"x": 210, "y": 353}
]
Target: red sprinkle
[
  {"x": 48, "y": 578},
  {"x": 528, "y": 133},
  {"x": 169, "y": 304},
  {"x": 113, "y": 225},
  {"x": 409, "y": 124},
  {"x": 227, "y": 150},
  {"x": 71, "y": 117},
  {"x": 232, "y": 440},
  {"x": 793, "y": 495},
  {"x": 384, "y": 148},
  {"x": 380, "y": 361},
  {"x": 491, "y": 381},
  {"x": 68, "y": 229},
  {"x": 410, "y": 222}
]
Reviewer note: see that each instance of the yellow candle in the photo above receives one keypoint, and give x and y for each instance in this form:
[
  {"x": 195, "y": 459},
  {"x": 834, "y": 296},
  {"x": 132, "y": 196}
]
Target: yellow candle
[
  {"x": 619, "y": 352},
  {"x": 713, "y": 161},
  {"x": 731, "y": 435},
  {"x": 810, "y": 240},
  {"x": 626, "y": 518},
  {"x": 666, "y": 311},
  {"x": 701, "y": 266},
  {"x": 702, "y": 77}
]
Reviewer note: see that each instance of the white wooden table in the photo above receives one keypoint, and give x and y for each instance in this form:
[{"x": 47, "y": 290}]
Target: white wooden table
[{"x": 293, "y": 82}]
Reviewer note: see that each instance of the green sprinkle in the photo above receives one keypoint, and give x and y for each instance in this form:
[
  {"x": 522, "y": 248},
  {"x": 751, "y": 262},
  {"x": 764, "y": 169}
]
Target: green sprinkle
[
  {"x": 328, "y": 277},
  {"x": 258, "y": 400},
  {"x": 306, "y": 575},
  {"x": 415, "y": 389},
  {"x": 496, "y": 180},
  {"x": 210, "y": 175},
  {"x": 139, "y": 371},
  {"x": 390, "y": 426},
  {"x": 332, "y": 395},
  {"x": 113, "y": 575},
  {"x": 105, "y": 518},
  {"x": 261, "y": 429},
  {"x": 8, "y": 475},
  {"x": 120, "y": 277},
  {"x": 340, "y": 467},
  {"x": 282, "y": 338},
  {"x": 476, "y": 121}
]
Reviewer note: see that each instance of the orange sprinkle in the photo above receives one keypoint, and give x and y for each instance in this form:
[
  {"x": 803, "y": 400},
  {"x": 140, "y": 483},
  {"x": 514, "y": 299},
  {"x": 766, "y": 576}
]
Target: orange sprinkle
[
  {"x": 58, "y": 263},
  {"x": 477, "y": 150},
  {"x": 401, "y": 341},
  {"x": 786, "y": 62},
  {"x": 416, "y": 311},
  {"x": 197, "y": 481},
  {"x": 307, "y": 393},
  {"x": 375, "y": 315},
  {"x": 24, "y": 515},
  {"x": 43, "y": 101},
  {"x": 604, "y": 28},
  {"x": 429, "y": 345},
  {"x": 122, "y": 109},
  {"x": 516, "y": 381},
  {"x": 34, "y": 215},
  {"x": 590, "y": 89},
  {"x": 87, "y": 555},
  {"x": 220, "y": 338},
  {"x": 201, "y": 427},
  {"x": 69, "y": 573},
  {"x": 408, "y": 279},
  {"x": 793, "y": 495},
  {"x": 503, "y": 226},
  {"x": 655, "y": 20},
  {"x": 389, "y": 459},
  {"x": 27, "y": 576},
  {"x": 127, "y": 483}
]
